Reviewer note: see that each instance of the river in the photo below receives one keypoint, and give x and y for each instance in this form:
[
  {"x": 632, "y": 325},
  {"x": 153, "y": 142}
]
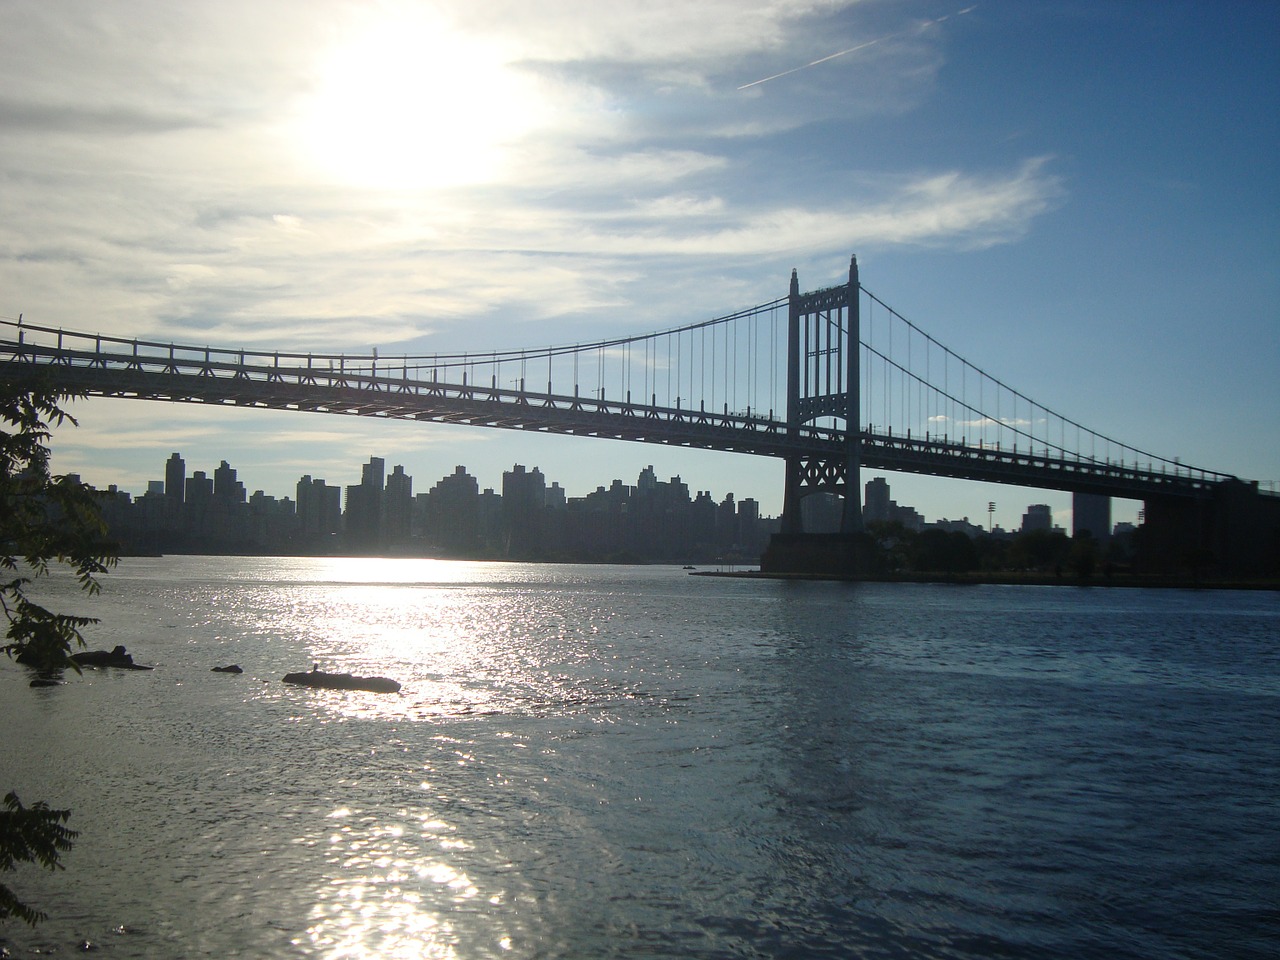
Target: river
[{"x": 631, "y": 762}]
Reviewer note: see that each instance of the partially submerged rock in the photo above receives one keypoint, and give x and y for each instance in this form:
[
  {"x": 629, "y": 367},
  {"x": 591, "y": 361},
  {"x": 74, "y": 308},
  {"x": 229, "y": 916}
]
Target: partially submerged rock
[
  {"x": 108, "y": 658},
  {"x": 341, "y": 681},
  {"x": 229, "y": 668}
]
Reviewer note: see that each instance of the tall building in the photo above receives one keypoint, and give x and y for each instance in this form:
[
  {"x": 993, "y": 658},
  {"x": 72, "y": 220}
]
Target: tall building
[
  {"x": 880, "y": 508},
  {"x": 373, "y": 473},
  {"x": 647, "y": 482},
  {"x": 878, "y": 505},
  {"x": 748, "y": 523},
  {"x": 319, "y": 508},
  {"x": 363, "y": 518},
  {"x": 308, "y": 515},
  {"x": 1037, "y": 517},
  {"x": 451, "y": 513},
  {"x": 225, "y": 485},
  {"x": 702, "y": 520},
  {"x": 556, "y": 498},
  {"x": 175, "y": 478},
  {"x": 727, "y": 522},
  {"x": 524, "y": 495},
  {"x": 397, "y": 506},
  {"x": 199, "y": 488}
]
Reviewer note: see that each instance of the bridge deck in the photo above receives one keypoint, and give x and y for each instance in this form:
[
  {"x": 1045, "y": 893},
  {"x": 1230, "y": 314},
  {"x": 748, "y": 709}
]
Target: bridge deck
[{"x": 109, "y": 367}]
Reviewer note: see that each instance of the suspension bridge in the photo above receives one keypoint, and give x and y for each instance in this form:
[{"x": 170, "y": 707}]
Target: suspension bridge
[{"x": 832, "y": 381}]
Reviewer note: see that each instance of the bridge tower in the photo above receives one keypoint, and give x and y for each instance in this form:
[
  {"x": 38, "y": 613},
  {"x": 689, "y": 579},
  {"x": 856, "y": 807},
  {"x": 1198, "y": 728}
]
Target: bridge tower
[{"x": 822, "y": 381}]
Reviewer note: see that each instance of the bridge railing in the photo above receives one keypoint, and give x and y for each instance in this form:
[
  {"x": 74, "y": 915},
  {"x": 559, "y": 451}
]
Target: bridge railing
[
  {"x": 457, "y": 377},
  {"x": 355, "y": 379},
  {"x": 1048, "y": 460}
]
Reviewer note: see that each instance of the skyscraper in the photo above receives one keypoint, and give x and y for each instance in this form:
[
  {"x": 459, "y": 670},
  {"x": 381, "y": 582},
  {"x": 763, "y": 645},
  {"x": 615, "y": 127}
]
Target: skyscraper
[
  {"x": 175, "y": 478},
  {"x": 397, "y": 506},
  {"x": 523, "y": 499},
  {"x": 364, "y": 505},
  {"x": 1037, "y": 517},
  {"x": 879, "y": 506},
  {"x": 450, "y": 516},
  {"x": 225, "y": 485}
]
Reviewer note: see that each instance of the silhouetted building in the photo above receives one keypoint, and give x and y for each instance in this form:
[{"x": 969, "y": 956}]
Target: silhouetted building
[
  {"x": 362, "y": 520},
  {"x": 226, "y": 486},
  {"x": 971, "y": 530},
  {"x": 702, "y": 522},
  {"x": 556, "y": 499},
  {"x": 397, "y": 507},
  {"x": 319, "y": 510},
  {"x": 748, "y": 526},
  {"x": 880, "y": 508},
  {"x": 199, "y": 488},
  {"x": 651, "y": 521},
  {"x": 726, "y": 523},
  {"x": 175, "y": 478},
  {"x": 1037, "y": 517},
  {"x": 449, "y": 514},
  {"x": 877, "y": 501},
  {"x": 270, "y": 521},
  {"x": 523, "y": 502}
]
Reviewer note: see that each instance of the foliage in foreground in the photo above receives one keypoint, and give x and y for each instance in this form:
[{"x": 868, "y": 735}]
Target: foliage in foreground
[
  {"x": 32, "y": 834},
  {"x": 44, "y": 520}
]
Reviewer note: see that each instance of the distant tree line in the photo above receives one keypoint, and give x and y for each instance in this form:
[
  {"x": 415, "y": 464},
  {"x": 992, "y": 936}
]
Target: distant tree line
[{"x": 896, "y": 549}]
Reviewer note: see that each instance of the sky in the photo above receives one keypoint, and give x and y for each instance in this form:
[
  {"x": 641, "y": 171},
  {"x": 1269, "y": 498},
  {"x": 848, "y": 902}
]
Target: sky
[{"x": 1078, "y": 196}]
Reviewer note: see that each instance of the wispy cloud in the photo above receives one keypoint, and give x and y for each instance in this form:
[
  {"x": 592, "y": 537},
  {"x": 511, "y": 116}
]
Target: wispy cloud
[{"x": 865, "y": 44}]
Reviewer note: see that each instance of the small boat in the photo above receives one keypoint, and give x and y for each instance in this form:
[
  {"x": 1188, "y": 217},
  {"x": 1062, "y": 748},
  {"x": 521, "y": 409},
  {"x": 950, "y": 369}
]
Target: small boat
[{"x": 341, "y": 681}]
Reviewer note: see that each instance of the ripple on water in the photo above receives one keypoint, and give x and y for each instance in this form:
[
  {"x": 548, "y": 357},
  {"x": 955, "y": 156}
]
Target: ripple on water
[{"x": 628, "y": 762}]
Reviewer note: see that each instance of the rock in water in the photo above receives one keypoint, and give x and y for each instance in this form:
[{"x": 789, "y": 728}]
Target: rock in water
[
  {"x": 108, "y": 658},
  {"x": 342, "y": 681}
]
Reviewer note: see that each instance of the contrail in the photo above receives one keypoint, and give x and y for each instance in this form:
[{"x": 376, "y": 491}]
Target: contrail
[{"x": 861, "y": 46}]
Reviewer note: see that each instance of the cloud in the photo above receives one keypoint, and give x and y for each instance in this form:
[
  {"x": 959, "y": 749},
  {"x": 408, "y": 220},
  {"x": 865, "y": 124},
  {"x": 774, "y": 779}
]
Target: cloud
[
  {"x": 155, "y": 185},
  {"x": 666, "y": 30}
]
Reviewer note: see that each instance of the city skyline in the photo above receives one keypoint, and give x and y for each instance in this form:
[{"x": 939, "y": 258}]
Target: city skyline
[
  {"x": 1075, "y": 196},
  {"x": 231, "y": 477}
]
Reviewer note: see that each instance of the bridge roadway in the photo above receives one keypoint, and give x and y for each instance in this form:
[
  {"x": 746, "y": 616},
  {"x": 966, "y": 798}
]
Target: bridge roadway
[{"x": 96, "y": 365}]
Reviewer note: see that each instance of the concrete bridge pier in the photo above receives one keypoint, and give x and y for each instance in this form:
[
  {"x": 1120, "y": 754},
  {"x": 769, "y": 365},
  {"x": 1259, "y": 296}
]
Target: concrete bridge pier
[
  {"x": 818, "y": 554},
  {"x": 1234, "y": 533}
]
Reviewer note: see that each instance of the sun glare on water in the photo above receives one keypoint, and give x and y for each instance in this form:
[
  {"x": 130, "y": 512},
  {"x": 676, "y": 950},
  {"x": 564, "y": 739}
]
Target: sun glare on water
[{"x": 407, "y": 102}]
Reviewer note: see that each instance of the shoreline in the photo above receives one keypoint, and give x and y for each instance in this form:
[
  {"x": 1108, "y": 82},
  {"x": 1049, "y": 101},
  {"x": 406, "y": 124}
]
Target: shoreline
[{"x": 1008, "y": 580}]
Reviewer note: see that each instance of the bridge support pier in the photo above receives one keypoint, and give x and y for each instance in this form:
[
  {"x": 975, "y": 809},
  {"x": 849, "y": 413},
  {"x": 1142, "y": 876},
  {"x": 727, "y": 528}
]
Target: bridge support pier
[
  {"x": 818, "y": 554},
  {"x": 1236, "y": 533}
]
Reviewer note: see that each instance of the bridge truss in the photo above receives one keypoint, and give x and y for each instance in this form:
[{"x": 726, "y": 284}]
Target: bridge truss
[{"x": 740, "y": 383}]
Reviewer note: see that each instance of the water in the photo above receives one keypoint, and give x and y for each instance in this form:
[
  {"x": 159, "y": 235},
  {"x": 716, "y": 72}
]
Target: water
[{"x": 628, "y": 762}]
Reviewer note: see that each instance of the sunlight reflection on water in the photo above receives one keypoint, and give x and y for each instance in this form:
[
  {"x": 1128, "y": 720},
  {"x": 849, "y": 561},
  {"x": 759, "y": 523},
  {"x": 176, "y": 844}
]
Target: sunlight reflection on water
[
  {"x": 390, "y": 897},
  {"x": 633, "y": 763}
]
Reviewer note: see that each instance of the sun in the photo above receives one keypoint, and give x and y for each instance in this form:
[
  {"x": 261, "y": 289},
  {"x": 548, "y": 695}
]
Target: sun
[{"x": 406, "y": 101}]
